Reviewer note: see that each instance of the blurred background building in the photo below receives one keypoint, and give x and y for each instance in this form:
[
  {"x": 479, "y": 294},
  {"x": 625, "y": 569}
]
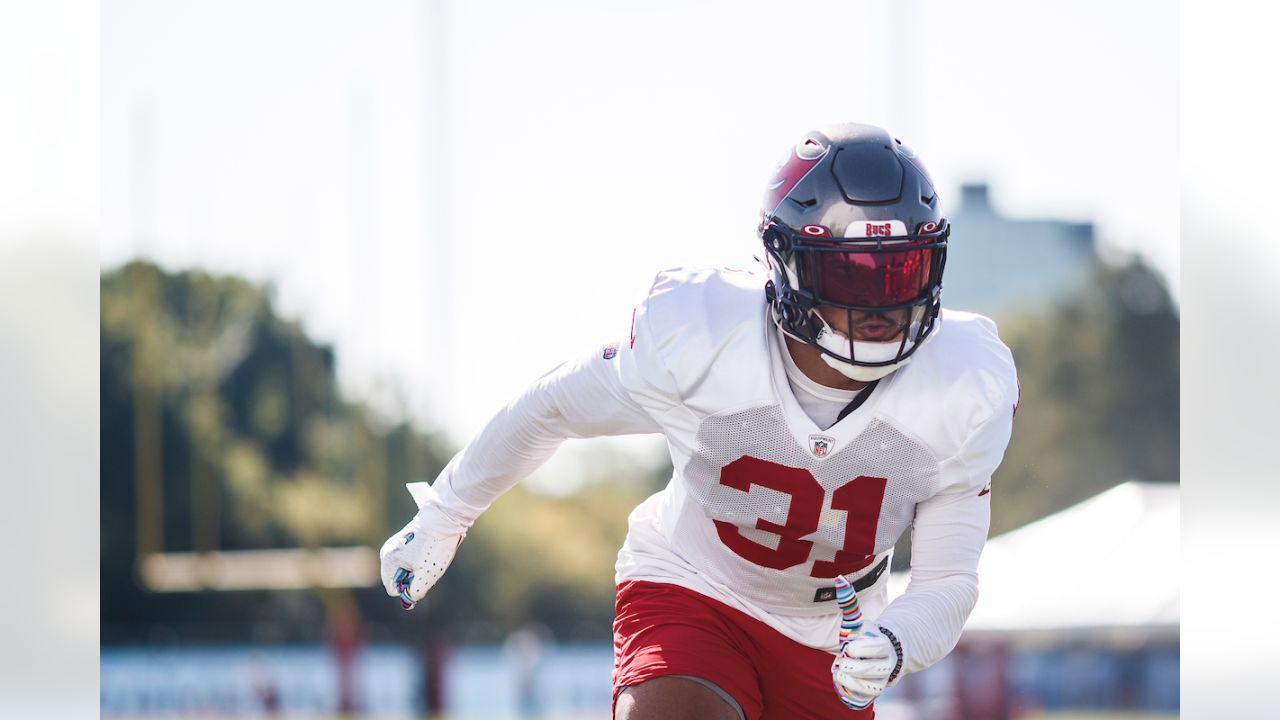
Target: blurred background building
[
  {"x": 337, "y": 239},
  {"x": 1003, "y": 265}
]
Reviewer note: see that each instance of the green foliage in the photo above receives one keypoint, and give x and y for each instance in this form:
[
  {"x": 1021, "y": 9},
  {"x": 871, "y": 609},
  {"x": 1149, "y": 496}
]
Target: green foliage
[
  {"x": 246, "y": 395},
  {"x": 1099, "y": 378},
  {"x": 249, "y": 407},
  {"x": 252, "y": 443}
]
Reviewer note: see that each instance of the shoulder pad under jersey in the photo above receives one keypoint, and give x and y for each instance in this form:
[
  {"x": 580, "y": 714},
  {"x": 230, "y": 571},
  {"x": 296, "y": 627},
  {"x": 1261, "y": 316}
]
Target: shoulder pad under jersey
[
  {"x": 961, "y": 379},
  {"x": 706, "y": 328}
]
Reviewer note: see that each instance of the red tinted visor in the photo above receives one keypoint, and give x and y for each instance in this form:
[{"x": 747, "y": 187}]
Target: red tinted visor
[{"x": 872, "y": 275}]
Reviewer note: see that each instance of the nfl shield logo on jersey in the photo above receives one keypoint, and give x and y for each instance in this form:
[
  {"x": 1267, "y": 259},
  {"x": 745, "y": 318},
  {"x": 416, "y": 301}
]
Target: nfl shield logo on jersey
[{"x": 820, "y": 445}]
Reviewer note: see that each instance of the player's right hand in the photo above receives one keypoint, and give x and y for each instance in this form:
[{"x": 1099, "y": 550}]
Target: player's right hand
[
  {"x": 415, "y": 558},
  {"x": 866, "y": 665}
]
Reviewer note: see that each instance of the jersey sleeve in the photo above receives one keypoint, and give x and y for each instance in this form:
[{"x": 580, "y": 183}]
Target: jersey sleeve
[
  {"x": 948, "y": 534},
  {"x": 620, "y": 389}
]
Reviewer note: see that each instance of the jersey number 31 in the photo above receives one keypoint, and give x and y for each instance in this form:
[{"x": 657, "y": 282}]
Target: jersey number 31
[{"x": 860, "y": 499}]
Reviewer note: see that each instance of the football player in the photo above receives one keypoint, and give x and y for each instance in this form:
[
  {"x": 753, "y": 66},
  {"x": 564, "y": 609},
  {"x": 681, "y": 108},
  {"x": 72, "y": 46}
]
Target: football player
[{"x": 813, "y": 413}]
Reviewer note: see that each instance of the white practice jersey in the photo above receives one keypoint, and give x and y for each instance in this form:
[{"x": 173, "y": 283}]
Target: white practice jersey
[{"x": 765, "y": 508}]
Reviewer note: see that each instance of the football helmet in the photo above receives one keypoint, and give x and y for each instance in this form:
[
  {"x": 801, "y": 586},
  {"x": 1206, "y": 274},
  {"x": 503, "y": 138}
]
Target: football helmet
[{"x": 851, "y": 223}]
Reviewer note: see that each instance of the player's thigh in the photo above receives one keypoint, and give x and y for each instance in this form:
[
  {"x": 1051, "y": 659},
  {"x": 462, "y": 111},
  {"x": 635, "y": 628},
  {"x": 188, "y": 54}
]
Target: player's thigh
[
  {"x": 672, "y": 698},
  {"x": 675, "y": 651}
]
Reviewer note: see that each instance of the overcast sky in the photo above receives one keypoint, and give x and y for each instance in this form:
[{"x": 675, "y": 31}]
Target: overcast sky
[{"x": 460, "y": 195}]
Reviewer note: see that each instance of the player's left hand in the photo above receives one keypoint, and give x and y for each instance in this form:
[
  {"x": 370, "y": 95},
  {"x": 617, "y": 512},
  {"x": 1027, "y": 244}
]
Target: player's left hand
[{"x": 864, "y": 667}]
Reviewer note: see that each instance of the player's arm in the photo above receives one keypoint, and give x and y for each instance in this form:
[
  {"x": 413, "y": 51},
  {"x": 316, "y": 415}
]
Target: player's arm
[
  {"x": 923, "y": 625},
  {"x": 948, "y": 534},
  {"x": 614, "y": 392}
]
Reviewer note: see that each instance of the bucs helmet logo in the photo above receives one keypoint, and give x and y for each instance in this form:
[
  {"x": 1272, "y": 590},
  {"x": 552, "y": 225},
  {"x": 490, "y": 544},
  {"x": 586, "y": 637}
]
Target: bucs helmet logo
[
  {"x": 820, "y": 445},
  {"x": 791, "y": 170}
]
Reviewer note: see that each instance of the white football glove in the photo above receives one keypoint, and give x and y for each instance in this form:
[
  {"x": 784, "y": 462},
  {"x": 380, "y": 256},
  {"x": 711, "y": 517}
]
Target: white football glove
[
  {"x": 415, "y": 558},
  {"x": 865, "y": 667}
]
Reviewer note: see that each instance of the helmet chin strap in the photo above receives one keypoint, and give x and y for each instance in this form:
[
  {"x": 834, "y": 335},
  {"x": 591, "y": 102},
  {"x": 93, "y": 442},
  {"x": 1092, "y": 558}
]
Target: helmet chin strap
[{"x": 834, "y": 342}]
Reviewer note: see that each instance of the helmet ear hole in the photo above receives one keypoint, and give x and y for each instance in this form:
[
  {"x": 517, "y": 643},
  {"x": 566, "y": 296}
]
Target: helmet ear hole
[{"x": 775, "y": 240}]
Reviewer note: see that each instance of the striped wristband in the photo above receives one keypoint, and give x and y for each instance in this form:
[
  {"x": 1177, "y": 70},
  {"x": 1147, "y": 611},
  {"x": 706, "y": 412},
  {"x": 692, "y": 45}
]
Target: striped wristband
[{"x": 897, "y": 648}]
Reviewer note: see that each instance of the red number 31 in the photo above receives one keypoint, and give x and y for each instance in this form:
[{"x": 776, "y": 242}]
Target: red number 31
[{"x": 860, "y": 499}]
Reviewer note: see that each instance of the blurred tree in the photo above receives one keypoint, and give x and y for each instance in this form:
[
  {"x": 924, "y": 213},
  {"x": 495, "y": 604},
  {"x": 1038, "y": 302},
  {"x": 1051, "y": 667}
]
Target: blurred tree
[
  {"x": 1099, "y": 377},
  {"x": 253, "y": 445},
  {"x": 250, "y": 407}
]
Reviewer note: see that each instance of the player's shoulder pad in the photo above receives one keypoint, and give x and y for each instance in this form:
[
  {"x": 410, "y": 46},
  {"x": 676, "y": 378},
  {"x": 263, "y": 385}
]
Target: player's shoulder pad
[
  {"x": 708, "y": 300},
  {"x": 965, "y": 373},
  {"x": 691, "y": 316}
]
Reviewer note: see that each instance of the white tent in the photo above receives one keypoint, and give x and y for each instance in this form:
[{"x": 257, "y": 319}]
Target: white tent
[{"x": 1110, "y": 563}]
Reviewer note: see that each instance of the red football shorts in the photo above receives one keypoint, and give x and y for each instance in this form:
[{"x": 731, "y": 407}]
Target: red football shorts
[{"x": 663, "y": 629}]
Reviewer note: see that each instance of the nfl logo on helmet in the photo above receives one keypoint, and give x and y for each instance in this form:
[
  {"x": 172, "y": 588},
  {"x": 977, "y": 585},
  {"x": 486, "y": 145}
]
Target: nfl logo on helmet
[{"x": 820, "y": 445}]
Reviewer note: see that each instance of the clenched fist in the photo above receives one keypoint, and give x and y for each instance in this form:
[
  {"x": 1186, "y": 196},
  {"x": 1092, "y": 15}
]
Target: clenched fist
[
  {"x": 415, "y": 557},
  {"x": 867, "y": 663}
]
